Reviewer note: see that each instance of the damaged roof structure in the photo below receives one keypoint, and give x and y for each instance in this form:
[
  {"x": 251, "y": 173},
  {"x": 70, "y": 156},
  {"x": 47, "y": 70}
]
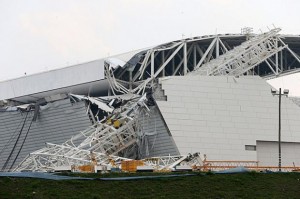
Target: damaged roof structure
[{"x": 201, "y": 95}]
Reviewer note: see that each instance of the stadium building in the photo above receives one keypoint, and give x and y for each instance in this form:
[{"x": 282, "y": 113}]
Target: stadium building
[{"x": 206, "y": 95}]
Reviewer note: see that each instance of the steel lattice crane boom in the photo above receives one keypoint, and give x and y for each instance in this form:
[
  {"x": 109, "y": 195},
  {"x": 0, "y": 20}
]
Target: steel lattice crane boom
[{"x": 243, "y": 57}]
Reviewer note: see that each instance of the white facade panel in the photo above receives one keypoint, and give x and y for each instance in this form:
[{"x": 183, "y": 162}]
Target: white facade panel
[
  {"x": 54, "y": 79},
  {"x": 225, "y": 114},
  {"x": 267, "y": 153}
]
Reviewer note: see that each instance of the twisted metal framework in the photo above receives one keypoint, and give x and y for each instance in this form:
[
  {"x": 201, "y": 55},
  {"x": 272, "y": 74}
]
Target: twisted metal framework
[
  {"x": 170, "y": 162},
  {"x": 54, "y": 156},
  {"x": 99, "y": 142},
  {"x": 208, "y": 55},
  {"x": 244, "y": 57}
]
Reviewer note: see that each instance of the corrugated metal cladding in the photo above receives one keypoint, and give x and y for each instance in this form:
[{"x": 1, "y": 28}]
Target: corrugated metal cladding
[
  {"x": 56, "y": 123},
  {"x": 157, "y": 140}
]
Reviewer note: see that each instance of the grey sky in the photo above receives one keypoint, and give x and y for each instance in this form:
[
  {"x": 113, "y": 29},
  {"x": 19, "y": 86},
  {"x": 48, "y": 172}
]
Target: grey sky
[{"x": 39, "y": 35}]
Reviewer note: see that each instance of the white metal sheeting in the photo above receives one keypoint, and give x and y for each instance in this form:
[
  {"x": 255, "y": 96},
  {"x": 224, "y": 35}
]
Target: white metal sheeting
[
  {"x": 95, "y": 101},
  {"x": 53, "y": 80}
]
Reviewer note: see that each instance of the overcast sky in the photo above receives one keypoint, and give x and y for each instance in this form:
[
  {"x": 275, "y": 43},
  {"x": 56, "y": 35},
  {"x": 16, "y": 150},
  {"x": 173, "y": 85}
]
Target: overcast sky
[{"x": 39, "y": 35}]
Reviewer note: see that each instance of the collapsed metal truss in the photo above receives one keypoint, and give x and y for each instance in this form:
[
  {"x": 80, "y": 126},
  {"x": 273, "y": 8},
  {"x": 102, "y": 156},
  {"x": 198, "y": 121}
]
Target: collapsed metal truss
[
  {"x": 170, "y": 162},
  {"x": 244, "y": 57},
  {"x": 54, "y": 156},
  {"x": 100, "y": 141},
  {"x": 207, "y": 55}
]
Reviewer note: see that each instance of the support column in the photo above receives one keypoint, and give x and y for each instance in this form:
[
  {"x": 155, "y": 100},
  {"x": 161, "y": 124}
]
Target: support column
[
  {"x": 195, "y": 56},
  {"x": 130, "y": 81},
  {"x": 184, "y": 58},
  {"x": 281, "y": 61},
  {"x": 173, "y": 65},
  {"x": 217, "y": 47},
  {"x": 279, "y": 132},
  {"x": 276, "y": 58},
  {"x": 163, "y": 61},
  {"x": 152, "y": 64}
]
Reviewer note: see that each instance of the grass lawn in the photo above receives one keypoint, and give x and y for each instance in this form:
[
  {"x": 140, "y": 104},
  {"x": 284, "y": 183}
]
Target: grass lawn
[{"x": 246, "y": 185}]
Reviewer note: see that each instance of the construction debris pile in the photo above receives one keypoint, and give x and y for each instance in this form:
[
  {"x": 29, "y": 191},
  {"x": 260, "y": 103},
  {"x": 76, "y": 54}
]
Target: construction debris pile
[{"x": 97, "y": 147}]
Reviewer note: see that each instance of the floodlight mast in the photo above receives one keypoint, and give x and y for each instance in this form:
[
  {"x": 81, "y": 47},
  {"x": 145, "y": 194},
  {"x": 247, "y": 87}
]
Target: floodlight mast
[{"x": 285, "y": 93}]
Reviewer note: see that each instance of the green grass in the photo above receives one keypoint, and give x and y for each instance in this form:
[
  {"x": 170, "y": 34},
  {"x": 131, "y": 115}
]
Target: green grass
[{"x": 247, "y": 185}]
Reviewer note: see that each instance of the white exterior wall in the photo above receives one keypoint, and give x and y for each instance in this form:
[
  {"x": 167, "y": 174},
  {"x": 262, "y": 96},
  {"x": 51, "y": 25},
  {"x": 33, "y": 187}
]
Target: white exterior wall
[
  {"x": 267, "y": 153},
  {"x": 218, "y": 116},
  {"x": 54, "y": 79}
]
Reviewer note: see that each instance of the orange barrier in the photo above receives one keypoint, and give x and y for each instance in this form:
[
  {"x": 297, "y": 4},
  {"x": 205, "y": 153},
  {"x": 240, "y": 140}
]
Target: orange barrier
[
  {"x": 86, "y": 168},
  {"x": 216, "y": 165},
  {"x": 131, "y": 165}
]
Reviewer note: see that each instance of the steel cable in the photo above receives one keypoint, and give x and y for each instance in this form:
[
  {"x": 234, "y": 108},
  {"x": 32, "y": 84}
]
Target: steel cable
[
  {"x": 21, "y": 145},
  {"x": 14, "y": 147}
]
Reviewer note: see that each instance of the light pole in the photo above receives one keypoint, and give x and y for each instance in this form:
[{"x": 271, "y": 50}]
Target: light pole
[{"x": 285, "y": 93}]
